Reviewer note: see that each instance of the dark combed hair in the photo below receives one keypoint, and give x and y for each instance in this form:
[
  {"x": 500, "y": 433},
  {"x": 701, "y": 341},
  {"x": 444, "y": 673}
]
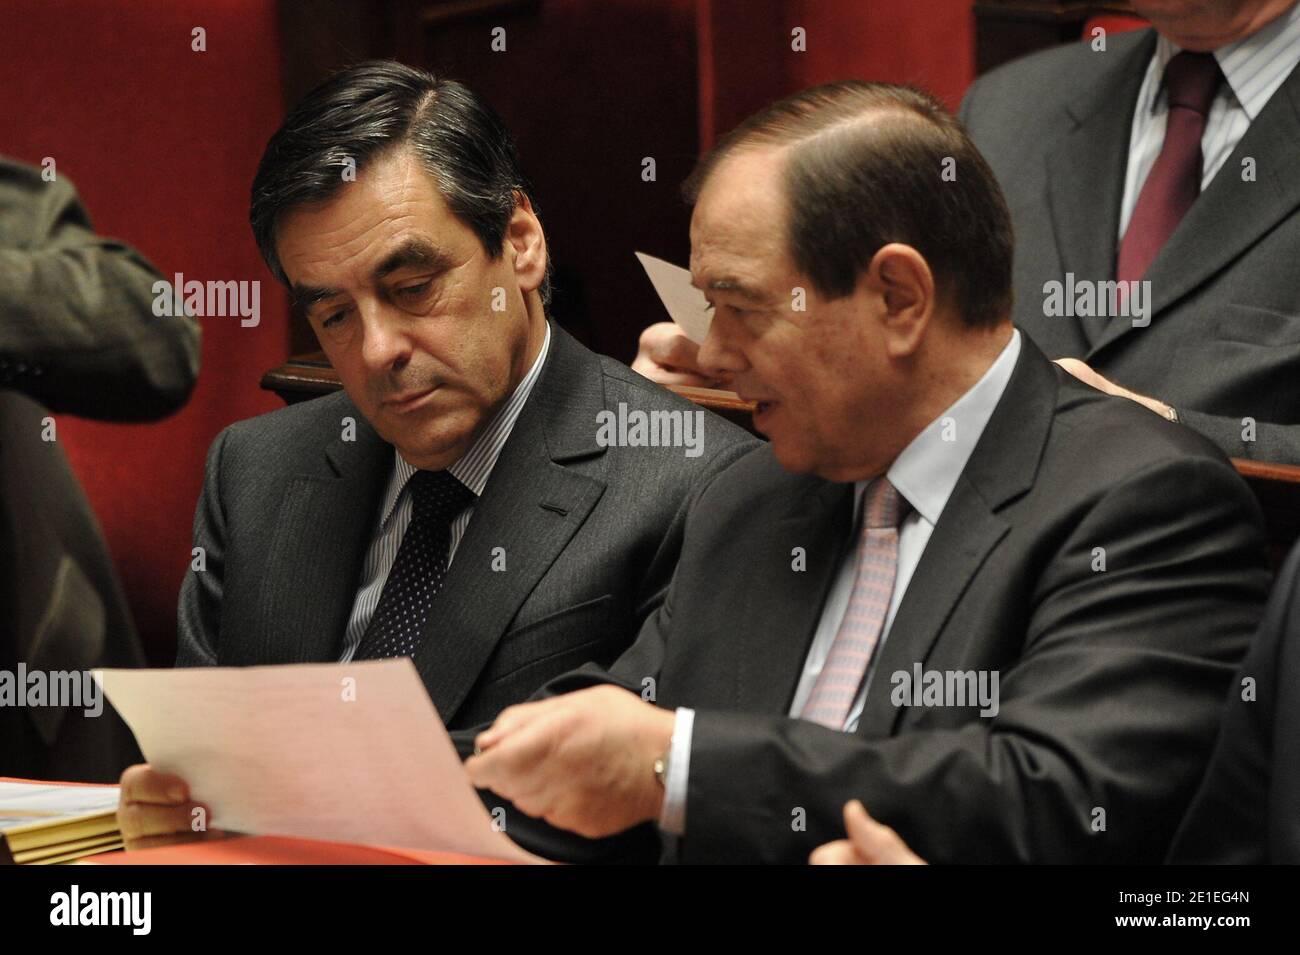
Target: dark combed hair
[
  {"x": 863, "y": 170},
  {"x": 371, "y": 109}
]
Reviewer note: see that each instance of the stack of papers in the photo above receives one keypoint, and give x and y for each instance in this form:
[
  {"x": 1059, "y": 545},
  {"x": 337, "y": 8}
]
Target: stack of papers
[{"x": 44, "y": 823}]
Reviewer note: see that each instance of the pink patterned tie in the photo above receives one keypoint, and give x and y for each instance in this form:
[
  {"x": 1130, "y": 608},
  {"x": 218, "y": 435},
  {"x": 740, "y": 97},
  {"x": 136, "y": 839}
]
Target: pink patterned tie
[{"x": 837, "y": 686}]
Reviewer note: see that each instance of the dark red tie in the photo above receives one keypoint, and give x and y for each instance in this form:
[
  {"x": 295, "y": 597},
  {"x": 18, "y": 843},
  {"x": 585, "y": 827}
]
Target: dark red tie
[{"x": 1175, "y": 180}]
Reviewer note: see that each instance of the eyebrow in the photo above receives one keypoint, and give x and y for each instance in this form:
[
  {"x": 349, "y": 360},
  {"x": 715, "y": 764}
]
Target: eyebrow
[
  {"x": 411, "y": 254},
  {"x": 736, "y": 287}
]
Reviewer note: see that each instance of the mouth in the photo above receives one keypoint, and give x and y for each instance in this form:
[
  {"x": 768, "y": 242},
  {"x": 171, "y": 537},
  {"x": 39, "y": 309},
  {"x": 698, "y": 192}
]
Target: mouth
[
  {"x": 401, "y": 404},
  {"x": 762, "y": 410}
]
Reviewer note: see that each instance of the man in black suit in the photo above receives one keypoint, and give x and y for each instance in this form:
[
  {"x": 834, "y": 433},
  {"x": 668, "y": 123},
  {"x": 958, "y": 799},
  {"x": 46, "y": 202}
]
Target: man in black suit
[
  {"x": 486, "y": 496},
  {"x": 1105, "y": 182},
  {"x": 1247, "y": 810},
  {"x": 996, "y": 605}
]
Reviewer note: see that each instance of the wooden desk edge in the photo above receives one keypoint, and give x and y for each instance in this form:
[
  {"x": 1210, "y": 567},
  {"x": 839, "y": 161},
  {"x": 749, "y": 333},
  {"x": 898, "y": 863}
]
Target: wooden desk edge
[{"x": 307, "y": 376}]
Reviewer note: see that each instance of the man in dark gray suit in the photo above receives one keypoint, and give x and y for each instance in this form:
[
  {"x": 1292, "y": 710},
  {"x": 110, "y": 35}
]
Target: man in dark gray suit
[
  {"x": 487, "y": 496},
  {"x": 994, "y": 604},
  {"x": 1208, "y": 215}
]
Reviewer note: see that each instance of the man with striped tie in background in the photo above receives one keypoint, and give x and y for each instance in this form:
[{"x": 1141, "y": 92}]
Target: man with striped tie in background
[{"x": 1163, "y": 156}]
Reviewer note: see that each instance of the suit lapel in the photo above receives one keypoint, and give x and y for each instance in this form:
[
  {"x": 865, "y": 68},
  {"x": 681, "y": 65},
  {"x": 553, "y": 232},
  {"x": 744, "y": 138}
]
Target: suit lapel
[
  {"x": 963, "y": 538},
  {"x": 325, "y": 525},
  {"x": 782, "y": 614},
  {"x": 1231, "y": 215},
  {"x": 1086, "y": 171},
  {"x": 531, "y": 508},
  {"x": 1002, "y": 467}
]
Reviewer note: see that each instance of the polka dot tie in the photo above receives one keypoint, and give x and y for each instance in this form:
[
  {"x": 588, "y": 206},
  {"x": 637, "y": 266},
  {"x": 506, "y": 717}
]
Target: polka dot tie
[{"x": 397, "y": 627}]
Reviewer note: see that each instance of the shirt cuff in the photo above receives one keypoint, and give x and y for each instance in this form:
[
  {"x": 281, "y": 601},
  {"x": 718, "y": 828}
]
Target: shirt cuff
[{"x": 672, "y": 817}]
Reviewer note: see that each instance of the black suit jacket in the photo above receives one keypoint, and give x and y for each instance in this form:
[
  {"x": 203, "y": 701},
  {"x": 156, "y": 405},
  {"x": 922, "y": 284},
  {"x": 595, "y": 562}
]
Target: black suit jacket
[
  {"x": 1111, "y": 681},
  {"x": 1247, "y": 810},
  {"x": 1224, "y": 339},
  {"x": 591, "y": 535}
]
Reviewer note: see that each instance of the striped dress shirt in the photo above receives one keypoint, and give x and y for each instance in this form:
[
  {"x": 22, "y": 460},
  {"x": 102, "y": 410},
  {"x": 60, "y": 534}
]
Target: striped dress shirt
[
  {"x": 1253, "y": 69},
  {"x": 472, "y": 470}
]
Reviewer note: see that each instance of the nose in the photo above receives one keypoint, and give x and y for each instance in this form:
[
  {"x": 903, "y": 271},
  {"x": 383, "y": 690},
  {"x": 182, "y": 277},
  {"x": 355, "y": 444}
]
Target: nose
[
  {"x": 720, "y": 356},
  {"x": 385, "y": 346}
]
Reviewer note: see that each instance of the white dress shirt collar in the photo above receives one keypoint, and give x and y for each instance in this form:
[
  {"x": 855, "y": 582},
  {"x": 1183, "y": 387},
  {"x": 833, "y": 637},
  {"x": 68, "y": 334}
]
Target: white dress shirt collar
[
  {"x": 928, "y": 468},
  {"x": 1254, "y": 67}
]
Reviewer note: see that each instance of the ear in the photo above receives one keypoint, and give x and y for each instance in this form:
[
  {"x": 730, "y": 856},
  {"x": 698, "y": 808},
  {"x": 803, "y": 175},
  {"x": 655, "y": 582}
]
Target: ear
[
  {"x": 900, "y": 278},
  {"x": 524, "y": 237}
]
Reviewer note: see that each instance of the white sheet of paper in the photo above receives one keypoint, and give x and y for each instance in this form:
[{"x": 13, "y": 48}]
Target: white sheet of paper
[
  {"x": 686, "y": 304},
  {"x": 348, "y": 752}
]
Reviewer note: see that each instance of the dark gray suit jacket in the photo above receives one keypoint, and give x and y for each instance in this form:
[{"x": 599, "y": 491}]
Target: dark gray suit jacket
[
  {"x": 1224, "y": 338},
  {"x": 1111, "y": 681},
  {"x": 591, "y": 536}
]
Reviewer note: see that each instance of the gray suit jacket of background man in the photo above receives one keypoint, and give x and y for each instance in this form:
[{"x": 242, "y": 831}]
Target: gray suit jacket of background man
[{"x": 1223, "y": 342}]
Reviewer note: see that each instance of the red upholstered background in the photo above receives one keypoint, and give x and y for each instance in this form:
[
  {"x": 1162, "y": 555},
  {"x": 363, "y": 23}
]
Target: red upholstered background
[{"x": 162, "y": 143}]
